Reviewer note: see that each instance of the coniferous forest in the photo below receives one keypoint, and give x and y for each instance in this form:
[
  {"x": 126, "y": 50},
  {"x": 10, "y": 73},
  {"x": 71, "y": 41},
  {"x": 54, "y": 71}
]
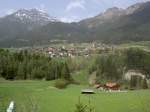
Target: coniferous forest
[
  {"x": 24, "y": 65},
  {"x": 108, "y": 66}
]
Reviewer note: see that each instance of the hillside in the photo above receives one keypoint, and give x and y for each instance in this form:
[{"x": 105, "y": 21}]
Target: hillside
[
  {"x": 113, "y": 26},
  {"x": 119, "y": 25},
  {"x": 14, "y": 26}
]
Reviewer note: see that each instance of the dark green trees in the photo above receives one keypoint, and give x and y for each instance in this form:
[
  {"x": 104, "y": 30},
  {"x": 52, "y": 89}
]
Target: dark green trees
[
  {"x": 109, "y": 67},
  {"x": 137, "y": 82},
  {"x": 24, "y": 65},
  {"x": 138, "y": 59},
  {"x": 58, "y": 70},
  {"x": 135, "y": 58},
  {"x": 65, "y": 72},
  {"x": 144, "y": 84}
]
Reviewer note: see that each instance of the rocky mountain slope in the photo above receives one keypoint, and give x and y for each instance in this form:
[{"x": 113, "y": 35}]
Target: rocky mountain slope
[
  {"x": 33, "y": 27},
  {"x": 21, "y": 22}
]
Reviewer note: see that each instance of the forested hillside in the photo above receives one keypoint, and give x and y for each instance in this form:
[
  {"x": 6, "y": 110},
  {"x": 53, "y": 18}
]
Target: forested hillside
[{"x": 25, "y": 65}]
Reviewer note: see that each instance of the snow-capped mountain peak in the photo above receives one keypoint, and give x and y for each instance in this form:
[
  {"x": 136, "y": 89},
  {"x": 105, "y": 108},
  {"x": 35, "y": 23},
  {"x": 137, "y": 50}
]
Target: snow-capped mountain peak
[{"x": 33, "y": 15}]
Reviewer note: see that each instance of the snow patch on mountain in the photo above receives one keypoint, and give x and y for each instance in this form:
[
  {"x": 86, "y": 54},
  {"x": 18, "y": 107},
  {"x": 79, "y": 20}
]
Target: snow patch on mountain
[{"x": 33, "y": 15}]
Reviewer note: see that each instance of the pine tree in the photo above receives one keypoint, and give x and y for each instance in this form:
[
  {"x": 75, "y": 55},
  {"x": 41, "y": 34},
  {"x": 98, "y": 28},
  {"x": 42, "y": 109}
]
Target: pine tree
[
  {"x": 133, "y": 82},
  {"x": 20, "y": 72},
  {"x": 144, "y": 84},
  {"x": 65, "y": 72}
]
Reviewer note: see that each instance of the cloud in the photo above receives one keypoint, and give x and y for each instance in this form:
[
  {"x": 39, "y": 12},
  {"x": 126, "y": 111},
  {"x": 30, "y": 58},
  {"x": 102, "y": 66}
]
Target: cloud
[
  {"x": 69, "y": 19},
  {"x": 41, "y": 7},
  {"x": 10, "y": 11},
  {"x": 5, "y": 12},
  {"x": 66, "y": 20},
  {"x": 75, "y": 5},
  {"x": 117, "y": 2},
  {"x": 105, "y": 4}
]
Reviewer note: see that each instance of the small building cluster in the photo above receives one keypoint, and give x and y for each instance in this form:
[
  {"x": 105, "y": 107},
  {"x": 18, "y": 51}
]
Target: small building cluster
[
  {"x": 72, "y": 50},
  {"x": 108, "y": 86}
]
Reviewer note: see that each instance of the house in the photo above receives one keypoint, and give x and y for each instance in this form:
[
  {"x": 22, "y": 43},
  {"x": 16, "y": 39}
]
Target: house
[{"x": 112, "y": 86}]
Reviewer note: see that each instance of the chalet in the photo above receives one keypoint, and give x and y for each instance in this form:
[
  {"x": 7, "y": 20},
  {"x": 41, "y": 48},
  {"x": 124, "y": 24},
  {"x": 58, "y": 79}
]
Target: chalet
[{"x": 112, "y": 86}]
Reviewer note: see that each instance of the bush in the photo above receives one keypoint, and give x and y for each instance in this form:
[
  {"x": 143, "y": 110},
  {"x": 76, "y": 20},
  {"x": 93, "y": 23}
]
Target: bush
[
  {"x": 61, "y": 83},
  {"x": 38, "y": 73},
  {"x": 84, "y": 108}
]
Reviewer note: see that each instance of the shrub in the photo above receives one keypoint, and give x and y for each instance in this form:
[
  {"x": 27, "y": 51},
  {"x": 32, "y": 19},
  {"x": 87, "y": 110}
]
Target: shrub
[
  {"x": 84, "y": 108},
  {"x": 37, "y": 73},
  {"x": 61, "y": 83}
]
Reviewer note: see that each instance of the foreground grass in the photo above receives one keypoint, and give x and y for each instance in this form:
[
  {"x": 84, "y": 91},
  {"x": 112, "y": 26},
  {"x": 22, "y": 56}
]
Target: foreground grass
[{"x": 45, "y": 98}]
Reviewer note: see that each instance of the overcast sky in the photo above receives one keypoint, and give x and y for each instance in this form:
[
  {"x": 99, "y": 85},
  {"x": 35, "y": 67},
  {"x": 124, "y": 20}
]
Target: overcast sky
[{"x": 66, "y": 10}]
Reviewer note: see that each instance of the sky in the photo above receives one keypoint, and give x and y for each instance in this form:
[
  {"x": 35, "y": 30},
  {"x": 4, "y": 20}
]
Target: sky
[{"x": 66, "y": 10}]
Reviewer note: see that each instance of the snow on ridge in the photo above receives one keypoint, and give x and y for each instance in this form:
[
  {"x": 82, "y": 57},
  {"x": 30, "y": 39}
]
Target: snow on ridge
[{"x": 34, "y": 15}]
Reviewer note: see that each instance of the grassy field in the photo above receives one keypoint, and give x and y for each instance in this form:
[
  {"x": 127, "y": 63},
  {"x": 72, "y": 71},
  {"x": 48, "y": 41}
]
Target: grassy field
[
  {"x": 46, "y": 98},
  {"x": 143, "y": 45}
]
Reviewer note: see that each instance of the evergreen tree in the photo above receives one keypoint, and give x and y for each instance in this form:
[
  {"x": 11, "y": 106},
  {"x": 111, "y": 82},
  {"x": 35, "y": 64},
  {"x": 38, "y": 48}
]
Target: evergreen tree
[
  {"x": 144, "y": 84},
  {"x": 65, "y": 72},
  {"x": 133, "y": 82},
  {"x": 20, "y": 72},
  {"x": 139, "y": 82}
]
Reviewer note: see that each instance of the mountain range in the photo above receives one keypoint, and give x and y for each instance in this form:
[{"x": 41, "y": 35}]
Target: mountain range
[{"x": 27, "y": 27}]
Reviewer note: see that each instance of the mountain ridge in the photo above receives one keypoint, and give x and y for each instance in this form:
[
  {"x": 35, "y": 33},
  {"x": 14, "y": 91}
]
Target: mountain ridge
[{"x": 115, "y": 25}]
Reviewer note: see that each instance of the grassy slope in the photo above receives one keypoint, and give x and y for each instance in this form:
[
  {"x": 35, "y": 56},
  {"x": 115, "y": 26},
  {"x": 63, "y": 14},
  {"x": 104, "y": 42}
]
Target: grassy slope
[
  {"x": 50, "y": 99},
  {"x": 142, "y": 44}
]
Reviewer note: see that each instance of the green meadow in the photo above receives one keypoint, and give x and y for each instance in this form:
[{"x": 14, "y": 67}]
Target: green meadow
[{"x": 42, "y": 96}]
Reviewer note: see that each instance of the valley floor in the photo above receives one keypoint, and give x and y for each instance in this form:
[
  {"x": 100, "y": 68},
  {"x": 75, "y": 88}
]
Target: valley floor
[{"x": 42, "y": 96}]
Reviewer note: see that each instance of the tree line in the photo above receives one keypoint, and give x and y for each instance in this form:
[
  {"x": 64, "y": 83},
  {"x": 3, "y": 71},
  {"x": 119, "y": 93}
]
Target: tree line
[
  {"x": 112, "y": 66},
  {"x": 24, "y": 65},
  {"x": 108, "y": 66}
]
